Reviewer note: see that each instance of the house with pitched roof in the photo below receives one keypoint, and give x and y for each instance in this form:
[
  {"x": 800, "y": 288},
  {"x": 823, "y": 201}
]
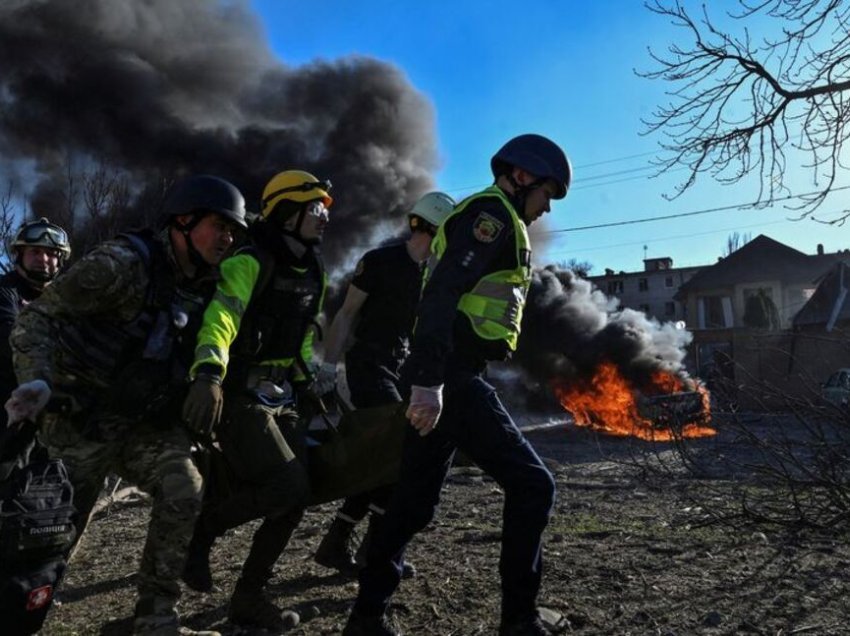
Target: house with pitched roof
[
  {"x": 747, "y": 315},
  {"x": 762, "y": 285}
]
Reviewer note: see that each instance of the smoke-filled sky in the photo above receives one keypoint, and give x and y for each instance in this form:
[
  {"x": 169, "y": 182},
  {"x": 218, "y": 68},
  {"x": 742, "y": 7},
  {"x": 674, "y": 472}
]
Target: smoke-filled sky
[{"x": 157, "y": 87}]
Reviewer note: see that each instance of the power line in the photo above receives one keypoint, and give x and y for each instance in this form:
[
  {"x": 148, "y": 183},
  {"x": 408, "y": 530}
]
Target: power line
[
  {"x": 665, "y": 238},
  {"x": 599, "y": 163},
  {"x": 624, "y": 179},
  {"x": 724, "y": 208},
  {"x": 617, "y": 172},
  {"x": 580, "y": 167}
]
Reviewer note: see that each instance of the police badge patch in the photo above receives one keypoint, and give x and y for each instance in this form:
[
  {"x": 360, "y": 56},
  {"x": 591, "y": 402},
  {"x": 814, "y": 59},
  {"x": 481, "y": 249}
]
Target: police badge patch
[
  {"x": 486, "y": 228},
  {"x": 361, "y": 267}
]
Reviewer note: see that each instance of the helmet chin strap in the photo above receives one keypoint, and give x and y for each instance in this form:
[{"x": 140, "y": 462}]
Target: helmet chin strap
[
  {"x": 38, "y": 279},
  {"x": 195, "y": 258},
  {"x": 520, "y": 195},
  {"x": 295, "y": 233}
]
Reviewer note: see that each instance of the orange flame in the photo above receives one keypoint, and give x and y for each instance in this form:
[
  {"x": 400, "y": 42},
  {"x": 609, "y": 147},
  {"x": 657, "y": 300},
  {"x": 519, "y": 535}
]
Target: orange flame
[{"x": 608, "y": 403}]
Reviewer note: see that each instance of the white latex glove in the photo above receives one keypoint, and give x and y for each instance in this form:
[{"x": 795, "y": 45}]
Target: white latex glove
[
  {"x": 27, "y": 400},
  {"x": 426, "y": 404},
  {"x": 324, "y": 378}
]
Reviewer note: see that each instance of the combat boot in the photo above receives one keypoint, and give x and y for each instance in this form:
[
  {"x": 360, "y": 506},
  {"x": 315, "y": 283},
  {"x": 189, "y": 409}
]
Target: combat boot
[
  {"x": 249, "y": 607},
  {"x": 336, "y": 551},
  {"x": 362, "y": 625},
  {"x": 531, "y": 626},
  {"x": 157, "y": 617},
  {"x": 175, "y": 630},
  {"x": 197, "y": 574}
]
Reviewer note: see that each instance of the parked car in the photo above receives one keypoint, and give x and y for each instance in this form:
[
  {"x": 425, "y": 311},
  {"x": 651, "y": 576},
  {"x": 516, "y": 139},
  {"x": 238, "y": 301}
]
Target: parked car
[{"x": 837, "y": 389}]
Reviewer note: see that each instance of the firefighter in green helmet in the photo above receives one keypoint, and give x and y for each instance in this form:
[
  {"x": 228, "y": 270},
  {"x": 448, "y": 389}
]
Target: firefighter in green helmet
[
  {"x": 470, "y": 313},
  {"x": 378, "y": 311}
]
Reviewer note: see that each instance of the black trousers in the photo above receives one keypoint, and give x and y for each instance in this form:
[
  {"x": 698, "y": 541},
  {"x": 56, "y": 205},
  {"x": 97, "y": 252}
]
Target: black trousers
[{"x": 475, "y": 421}]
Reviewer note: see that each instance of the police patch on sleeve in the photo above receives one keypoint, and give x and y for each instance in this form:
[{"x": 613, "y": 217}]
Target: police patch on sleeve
[
  {"x": 361, "y": 267},
  {"x": 486, "y": 228}
]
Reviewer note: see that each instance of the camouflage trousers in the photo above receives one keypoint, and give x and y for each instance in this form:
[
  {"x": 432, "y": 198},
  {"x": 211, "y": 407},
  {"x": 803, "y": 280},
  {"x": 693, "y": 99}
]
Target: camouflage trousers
[{"x": 159, "y": 462}]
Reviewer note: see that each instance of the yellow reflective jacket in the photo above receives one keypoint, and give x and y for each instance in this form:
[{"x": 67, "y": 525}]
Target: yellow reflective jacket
[
  {"x": 262, "y": 313},
  {"x": 494, "y": 305}
]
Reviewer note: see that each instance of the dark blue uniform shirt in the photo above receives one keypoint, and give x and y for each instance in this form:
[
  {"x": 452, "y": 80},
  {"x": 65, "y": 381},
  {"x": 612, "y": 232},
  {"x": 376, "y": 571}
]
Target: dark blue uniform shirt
[{"x": 443, "y": 340}]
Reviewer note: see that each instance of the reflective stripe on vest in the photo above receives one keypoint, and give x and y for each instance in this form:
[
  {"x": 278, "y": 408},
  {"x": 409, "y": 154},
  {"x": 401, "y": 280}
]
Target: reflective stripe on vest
[{"x": 494, "y": 305}]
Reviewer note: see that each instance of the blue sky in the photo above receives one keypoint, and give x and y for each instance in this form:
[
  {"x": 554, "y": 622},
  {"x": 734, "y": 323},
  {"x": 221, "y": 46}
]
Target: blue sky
[{"x": 564, "y": 69}]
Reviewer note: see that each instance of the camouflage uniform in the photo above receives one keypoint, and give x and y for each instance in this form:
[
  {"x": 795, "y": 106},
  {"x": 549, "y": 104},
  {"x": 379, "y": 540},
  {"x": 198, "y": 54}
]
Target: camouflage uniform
[{"x": 64, "y": 338}]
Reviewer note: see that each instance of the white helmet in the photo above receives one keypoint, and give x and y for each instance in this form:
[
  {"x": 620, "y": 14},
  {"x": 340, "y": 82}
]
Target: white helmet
[{"x": 433, "y": 208}]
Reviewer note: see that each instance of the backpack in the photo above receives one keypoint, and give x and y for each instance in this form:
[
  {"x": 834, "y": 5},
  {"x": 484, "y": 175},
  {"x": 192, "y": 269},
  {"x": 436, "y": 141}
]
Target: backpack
[{"x": 36, "y": 534}]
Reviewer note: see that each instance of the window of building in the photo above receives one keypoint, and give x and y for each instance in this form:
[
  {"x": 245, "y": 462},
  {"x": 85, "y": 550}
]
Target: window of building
[
  {"x": 644, "y": 309},
  {"x": 715, "y": 312},
  {"x": 760, "y": 311},
  {"x": 643, "y": 284},
  {"x": 669, "y": 309},
  {"x": 668, "y": 282},
  {"x": 615, "y": 287}
]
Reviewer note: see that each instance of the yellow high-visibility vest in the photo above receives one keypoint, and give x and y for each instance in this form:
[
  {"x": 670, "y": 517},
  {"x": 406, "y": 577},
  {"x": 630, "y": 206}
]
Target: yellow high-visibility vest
[{"x": 494, "y": 305}]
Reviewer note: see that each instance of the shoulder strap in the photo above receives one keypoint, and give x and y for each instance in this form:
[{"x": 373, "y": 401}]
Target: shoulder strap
[
  {"x": 161, "y": 286},
  {"x": 267, "y": 265}
]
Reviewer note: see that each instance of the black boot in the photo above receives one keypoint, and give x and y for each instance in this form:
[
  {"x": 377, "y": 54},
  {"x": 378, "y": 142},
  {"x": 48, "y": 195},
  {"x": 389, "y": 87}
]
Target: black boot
[
  {"x": 529, "y": 626},
  {"x": 250, "y": 607},
  {"x": 336, "y": 550},
  {"x": 196, "y": 573},
  {"x": 361, "y": 625}
]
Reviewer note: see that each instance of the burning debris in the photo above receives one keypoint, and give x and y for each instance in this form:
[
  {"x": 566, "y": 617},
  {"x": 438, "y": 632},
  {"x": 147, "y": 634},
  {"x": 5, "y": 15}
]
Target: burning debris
[
  {"x": 615, "y": 370},
  {"x": 659, "y": 411}
]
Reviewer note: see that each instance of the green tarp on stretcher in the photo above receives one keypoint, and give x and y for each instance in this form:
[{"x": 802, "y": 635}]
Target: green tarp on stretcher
[{"x": 362, "y": 453}]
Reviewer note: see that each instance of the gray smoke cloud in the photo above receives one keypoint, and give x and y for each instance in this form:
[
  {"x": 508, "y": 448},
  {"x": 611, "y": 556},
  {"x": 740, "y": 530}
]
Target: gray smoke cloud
[
  {"x": 569, "y": 328},
  {"x": 158, "y": 88}
]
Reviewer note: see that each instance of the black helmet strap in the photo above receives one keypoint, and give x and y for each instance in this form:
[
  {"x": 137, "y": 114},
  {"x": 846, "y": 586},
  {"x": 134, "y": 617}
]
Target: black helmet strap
[
  {"x": 294, "y": 233},
  {"x": 521, "y": 192},
  {"x": 201, "y": 266},
  {"x": 39, "y": 279}
]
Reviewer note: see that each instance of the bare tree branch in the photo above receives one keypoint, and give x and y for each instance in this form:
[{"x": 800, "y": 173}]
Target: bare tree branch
[
  {"x": 739, "y": 105},
  {"x": 8, "y": 223}
]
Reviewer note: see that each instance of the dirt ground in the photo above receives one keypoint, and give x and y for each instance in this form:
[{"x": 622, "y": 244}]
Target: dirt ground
[{"x": 628, "y": 551}]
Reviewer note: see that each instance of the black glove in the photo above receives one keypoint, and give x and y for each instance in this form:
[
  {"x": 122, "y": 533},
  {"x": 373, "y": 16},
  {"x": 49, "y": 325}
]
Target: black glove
[{"x": 203, "y": 404}]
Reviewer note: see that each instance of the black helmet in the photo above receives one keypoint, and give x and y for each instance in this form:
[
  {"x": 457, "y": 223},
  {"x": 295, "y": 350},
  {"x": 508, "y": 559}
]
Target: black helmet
[
  {"x": 536, "y": 155},
  {"x": 202, "y": 194}
]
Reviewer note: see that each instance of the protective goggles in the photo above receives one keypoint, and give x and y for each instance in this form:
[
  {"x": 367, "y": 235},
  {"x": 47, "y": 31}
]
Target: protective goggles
[
  {"x": 316, "y": 209},
  {"x": 37, "y": 233},
  {"x": 302, "y": 187}
]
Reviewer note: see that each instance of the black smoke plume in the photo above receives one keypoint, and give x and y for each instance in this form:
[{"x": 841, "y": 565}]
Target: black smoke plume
[
  {"x": 569, "y": 328},
  {"x": 153, "y": 89}
]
